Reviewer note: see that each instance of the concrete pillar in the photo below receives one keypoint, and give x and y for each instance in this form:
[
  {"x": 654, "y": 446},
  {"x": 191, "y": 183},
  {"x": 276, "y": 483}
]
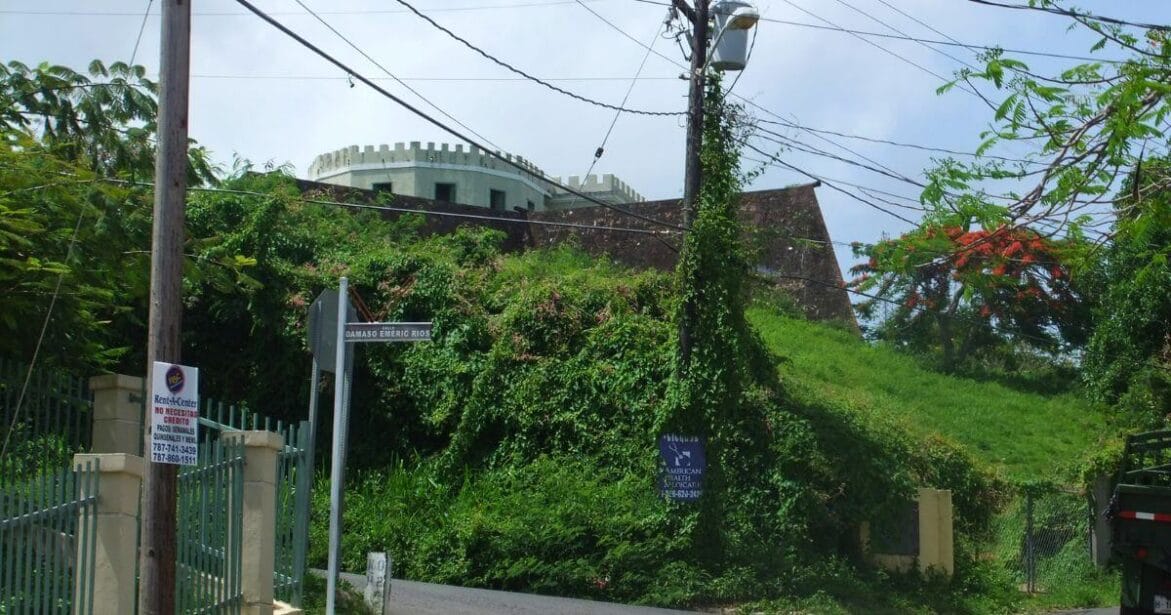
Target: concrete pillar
[
  {"x": 259, "y": 523},
  {"x": 114, "y": 532},
  {"x": 117, "y": 424},
  {"x": 936, "y": 535},
  {"x": 1101, "y": 539}
]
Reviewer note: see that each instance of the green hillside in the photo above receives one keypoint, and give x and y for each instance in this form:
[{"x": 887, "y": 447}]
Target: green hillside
[{"x": 1026, "y": 435}]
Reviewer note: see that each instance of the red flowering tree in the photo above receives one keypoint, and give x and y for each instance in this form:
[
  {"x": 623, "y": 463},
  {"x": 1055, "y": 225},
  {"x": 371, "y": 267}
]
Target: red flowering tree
[{"x": 956, "y": 289}]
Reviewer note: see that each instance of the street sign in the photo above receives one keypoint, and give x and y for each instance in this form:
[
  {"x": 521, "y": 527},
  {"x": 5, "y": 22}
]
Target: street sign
[
  {"x": 323, "y": 328},
  {"x": 683, "y": 464},
  {"x": 388, "y": 332},
  {"x": 174, "y": 415}
]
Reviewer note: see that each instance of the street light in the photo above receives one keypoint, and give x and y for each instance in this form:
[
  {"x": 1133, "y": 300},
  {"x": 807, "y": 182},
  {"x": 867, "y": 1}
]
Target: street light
[{"x": 734, "y": 18}]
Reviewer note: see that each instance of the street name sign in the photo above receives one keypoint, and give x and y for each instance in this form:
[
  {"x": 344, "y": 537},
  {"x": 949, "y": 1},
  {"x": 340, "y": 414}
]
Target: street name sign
[
  {"x": 388, "y": 332},
  {"x": 174, "y": 415}
]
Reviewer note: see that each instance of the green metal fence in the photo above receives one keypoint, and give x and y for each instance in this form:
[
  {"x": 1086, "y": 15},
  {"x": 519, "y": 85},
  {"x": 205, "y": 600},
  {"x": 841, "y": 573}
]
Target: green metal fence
[
  {"x": 48, "y": 540},
  {"x": 294, "y": 481},
  {"x": 42, "y": 424},
  {"x": 210, "y": 524}
]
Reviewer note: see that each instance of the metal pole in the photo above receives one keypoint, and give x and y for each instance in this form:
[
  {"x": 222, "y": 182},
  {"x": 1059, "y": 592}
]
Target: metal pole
[
  {"x": 314, "y": 383},
  {"x": 1030, "y": 549},
  {"x": 157, "y": 583},
  {"x": 693, "y": 172},
  {"x": 337, "y": 459}
]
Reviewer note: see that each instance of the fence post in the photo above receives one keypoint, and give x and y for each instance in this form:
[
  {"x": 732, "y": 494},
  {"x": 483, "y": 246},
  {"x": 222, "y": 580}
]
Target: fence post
[
  {"x": 111, "y": 533},
  {"x": 117, "y": 422},
  {"x": 1030, "y": 547},
  {"x": 259, "y": 523},
  {"x": 1101, "y": 541}
]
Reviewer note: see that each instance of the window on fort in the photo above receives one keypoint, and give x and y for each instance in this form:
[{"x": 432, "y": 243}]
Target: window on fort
[
  {"x": 496, "y": 199},
  {"x": 445, "y": 193},
  {"x": 532, "y": 206},
  {"x": 383, "y": 187}
]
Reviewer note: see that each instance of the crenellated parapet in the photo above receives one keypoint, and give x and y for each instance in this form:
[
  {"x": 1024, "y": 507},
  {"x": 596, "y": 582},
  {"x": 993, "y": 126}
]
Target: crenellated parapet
[
  {"x": 354, "y": 157},
  {"x": 605, "y": 186}
]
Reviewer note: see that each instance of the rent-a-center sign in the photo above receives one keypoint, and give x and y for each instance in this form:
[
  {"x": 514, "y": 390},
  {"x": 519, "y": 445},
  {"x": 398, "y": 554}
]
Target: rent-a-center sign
[{"x": 174, "y": 414}]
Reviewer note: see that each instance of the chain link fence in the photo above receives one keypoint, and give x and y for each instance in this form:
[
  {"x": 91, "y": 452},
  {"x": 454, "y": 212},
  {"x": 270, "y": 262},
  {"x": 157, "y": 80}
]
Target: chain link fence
[{"x": 1043, "y": 538}]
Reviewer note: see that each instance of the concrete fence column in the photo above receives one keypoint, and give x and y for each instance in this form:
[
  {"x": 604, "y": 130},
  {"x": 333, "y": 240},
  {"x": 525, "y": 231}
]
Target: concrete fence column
[
  {"x": 936, "y": 537},
  {"x": 259, "y": 522},
  {"x": 1101, "y": 539},
  {"x": 113, "y": 534},
  {"x": 117, "y": 424}
]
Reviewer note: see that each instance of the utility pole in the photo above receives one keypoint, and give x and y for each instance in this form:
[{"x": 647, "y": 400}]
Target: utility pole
[
  {"x": 156, "y": 589},
  {"x": 692, "y": 170}
]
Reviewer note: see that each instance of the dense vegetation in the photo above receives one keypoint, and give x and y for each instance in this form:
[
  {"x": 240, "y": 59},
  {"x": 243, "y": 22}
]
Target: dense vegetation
[{"x": 518, "y": 450}]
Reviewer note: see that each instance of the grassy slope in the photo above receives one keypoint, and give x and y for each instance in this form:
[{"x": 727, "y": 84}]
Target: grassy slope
[{"x": 1025, "y": 435}]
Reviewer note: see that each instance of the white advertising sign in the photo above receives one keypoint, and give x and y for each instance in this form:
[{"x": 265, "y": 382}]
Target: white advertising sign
[{"x": 174, "y": 414}]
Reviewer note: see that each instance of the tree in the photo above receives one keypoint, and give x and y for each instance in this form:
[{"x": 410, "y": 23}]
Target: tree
[
  {"x": 1128, "y": 359},
  {"x": 958, "y": 289},
  {"x": 105, "y": 121}
]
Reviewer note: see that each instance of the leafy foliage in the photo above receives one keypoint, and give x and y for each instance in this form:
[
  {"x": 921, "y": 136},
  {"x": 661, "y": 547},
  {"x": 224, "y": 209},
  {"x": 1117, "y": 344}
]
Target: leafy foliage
[
  {"x": 961, "y": 289},
  {"x": 1128, "y": 360}
]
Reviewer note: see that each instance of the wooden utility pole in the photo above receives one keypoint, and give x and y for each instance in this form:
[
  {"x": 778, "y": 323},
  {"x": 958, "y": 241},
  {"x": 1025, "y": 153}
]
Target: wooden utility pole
[
  {"x": 693, "y": 172},
  {"x": 156, "y": 589}
]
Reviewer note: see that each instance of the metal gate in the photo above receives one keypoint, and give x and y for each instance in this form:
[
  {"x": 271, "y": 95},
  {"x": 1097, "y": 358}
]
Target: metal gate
[{"x": 1044, "y": 537}]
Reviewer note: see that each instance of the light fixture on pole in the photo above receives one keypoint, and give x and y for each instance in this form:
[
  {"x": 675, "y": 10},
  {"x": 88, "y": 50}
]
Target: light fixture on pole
[{"x": 734, "y": 18}]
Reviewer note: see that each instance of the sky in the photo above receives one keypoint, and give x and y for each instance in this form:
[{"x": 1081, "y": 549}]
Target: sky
[{"x": 257, "y": 94}]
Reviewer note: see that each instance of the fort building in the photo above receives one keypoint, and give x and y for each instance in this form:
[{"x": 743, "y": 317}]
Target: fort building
[{"x": 463, "y": 175}]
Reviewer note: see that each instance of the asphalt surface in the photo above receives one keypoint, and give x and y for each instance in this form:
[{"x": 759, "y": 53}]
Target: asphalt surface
[{"x": 414, "y": 598}]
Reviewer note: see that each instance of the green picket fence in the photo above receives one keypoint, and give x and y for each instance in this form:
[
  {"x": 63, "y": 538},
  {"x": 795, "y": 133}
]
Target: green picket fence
[{"x": 47, "y": 541}]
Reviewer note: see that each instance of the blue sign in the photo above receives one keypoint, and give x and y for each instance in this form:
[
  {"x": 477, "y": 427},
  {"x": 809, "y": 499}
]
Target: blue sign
[{"x": 683, "y": 464}]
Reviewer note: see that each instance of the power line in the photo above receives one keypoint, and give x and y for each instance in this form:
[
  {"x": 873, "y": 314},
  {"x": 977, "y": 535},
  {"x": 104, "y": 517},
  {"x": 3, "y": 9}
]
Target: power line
[
  {"x": 520, "y": 72},
  {"x": 743, "y": 99},
  {"x": 1077, "y": 14},
  {"x": 430, "y": 79},
  {"x": 602, "y": 146},
  {"x": 926, "y": 148},
  {"x": 374, "y": 86},
  {"x": 902, "y": 37},
  {"x": 392, "y": 75},
  {"x": 775, "y": 159},
  {"x": 141, "y": 29},
  {"x": 897, "y": 31},
  {"x": 883, "y": 49},
  {"x": 779, "y": 139},
  {"x": 481, "y": 7}
]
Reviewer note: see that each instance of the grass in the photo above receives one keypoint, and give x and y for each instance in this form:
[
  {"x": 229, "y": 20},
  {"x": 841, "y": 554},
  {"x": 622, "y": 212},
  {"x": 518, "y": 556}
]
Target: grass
[{"x": 1024, "y": 435}]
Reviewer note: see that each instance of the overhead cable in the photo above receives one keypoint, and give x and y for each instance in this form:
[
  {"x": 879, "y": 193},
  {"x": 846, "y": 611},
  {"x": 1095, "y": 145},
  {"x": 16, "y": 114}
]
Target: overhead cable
[
  {"x": 605, "y": 138},
  {"x": 141, "y": 29},
  {"x": 1076, "y": 14},
  {"x": 776, "y": 159},
  {"x": 377, "y": 88},
  {"x": 520, "y": 72},
  {"x": 392, "y": 75}
]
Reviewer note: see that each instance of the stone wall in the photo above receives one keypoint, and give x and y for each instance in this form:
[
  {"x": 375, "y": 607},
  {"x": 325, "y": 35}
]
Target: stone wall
[{"x": 784, "y": 229}]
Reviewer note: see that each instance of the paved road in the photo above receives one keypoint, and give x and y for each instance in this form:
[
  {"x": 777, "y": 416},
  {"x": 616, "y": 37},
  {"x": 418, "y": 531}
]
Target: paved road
[{"x": 413, "y": 598}]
